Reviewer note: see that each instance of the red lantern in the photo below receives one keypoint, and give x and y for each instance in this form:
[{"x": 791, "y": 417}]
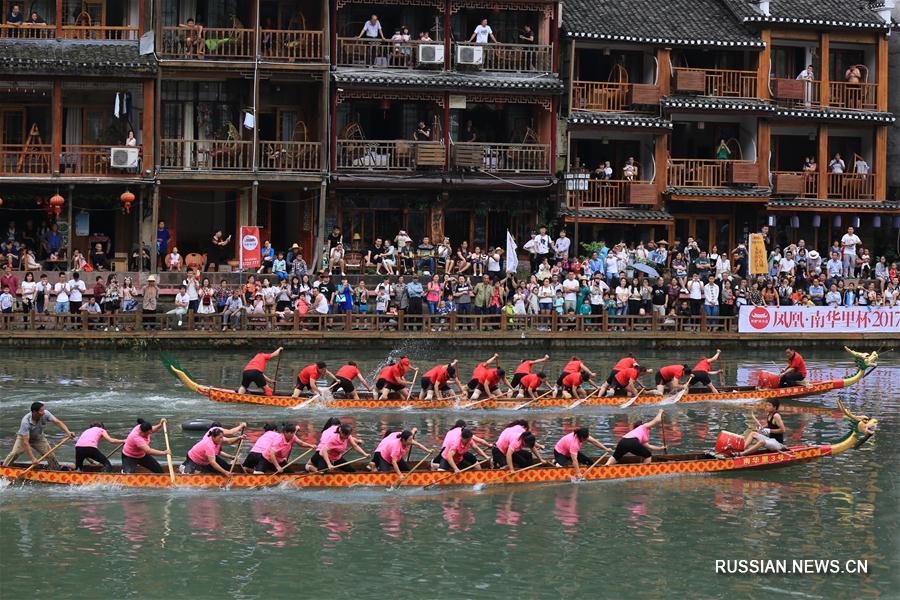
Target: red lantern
[
  {"x": 126, "y": 199},
  {"x": 1, "y": 201},
  {"x": 56, "y": 202}
]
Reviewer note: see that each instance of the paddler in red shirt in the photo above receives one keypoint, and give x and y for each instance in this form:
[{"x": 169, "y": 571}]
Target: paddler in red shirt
[
  {"x": 487, "y": 380},
  {"x": 437, "y": 381},
  {"x": 529, "y": 384},
  {"x": 625, "y": 381},
  {"x": 390, "y": 379},
  {"x": 308, "y": 377},
  {"x": 667, "y": 378},
  {"x": 254, "y": 372},
  {"x": 572, "y": 384},
  {"x": 795, "y": 372},
  {"x": 524, "y": 369},
  {"x": 702, "y": 371},
  {"x": 575, "y": 365},
  {"x": 344, "y": 380},
  {"x": 626, "y": 363}
]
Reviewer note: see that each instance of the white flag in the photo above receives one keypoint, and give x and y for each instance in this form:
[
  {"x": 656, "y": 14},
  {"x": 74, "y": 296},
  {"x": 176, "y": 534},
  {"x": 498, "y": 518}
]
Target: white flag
[{"x": 512, "y": 261}]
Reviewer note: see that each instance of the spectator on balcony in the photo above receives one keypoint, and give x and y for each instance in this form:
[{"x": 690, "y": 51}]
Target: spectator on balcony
[
  {"x": 607, "y": 171},
  {"x": 422, "y": 132},
  {"x": 834, "y": 268},
  {"x": 862, "y": 167},
  {"x": 561, "y": 247},
  {"x": 402, "y": 49},
  {"x": 35, "y": 19},
  {"x": 425, "y": 256},
  {"x": 267, "y": 258},
  {"x": 852, "y": 74},
  {"x": 425, "y": 37},
  {"x": 837, "y": 164},
  {"x": 15, "y": 15},
  {"x": 193, "y": 38},
  {"x": 372, "y": 29},
  {"x": 131, "y": 141},
  {"x": 807, "y": 75},
  {"x": 483, "y": 33},
  {"x": 162, "y": 239},
  {"x": 630, "y": 170},
  {"x": 336, "y": 258},
  {"x": 99, "y": 259},
  {"x": 234, "y": 306},
  {"x": 848, "y": 245},
  {"x": 469, "y": 135},
  {"x": 723, "y": 152},
  {"x": 173, "y": 262},
  {"x": 79, "y": 262},
  {"x": 526, "y": 35}
]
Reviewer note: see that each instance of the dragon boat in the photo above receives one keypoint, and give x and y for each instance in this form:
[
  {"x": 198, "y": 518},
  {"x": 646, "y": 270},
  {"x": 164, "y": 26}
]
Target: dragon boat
[
  {"x": 864, "y": 364},
  {"x": 861, "y": 429}
]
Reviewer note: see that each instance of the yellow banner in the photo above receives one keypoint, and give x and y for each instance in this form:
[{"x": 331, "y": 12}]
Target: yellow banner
[{"x": 759, "y": 263}]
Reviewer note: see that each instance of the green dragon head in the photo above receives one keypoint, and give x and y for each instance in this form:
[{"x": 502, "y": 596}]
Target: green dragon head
[
  {"x": 863, "y": 361},
  {"x": 862, "y": 426}
]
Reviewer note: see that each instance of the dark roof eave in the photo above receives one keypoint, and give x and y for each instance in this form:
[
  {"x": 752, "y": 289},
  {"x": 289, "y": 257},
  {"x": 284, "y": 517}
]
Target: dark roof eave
[
  {"x": 836, "y": 23},
  {"x": 662, "y": 41}
]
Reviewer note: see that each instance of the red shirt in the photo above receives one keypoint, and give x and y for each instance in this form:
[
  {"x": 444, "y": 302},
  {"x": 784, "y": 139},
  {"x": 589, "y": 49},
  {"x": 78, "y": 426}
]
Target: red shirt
[
  {"x": 258, "y": 362},
  {"x": 479, "y": 371},
  {"x": 798, "y": 364},
  {"x": 703, "y": 365},
  {"x": 572, "y": 380},
  {"x": 524, "y": 367},
  {"x": 530, "y": 381},
  {"x": 625, "y": 363},
  {"x": 626, "y": 376},
  {"x": 389, "y": 374},
  {"x": 489, "y": 377},
  {"x": 672, "y": 371},
  {"x": 348, "y": 372},
  {"x": 438, "y": 375},
  {"x": 309, "y": 372},
  {"x": 573, "y": 366}
]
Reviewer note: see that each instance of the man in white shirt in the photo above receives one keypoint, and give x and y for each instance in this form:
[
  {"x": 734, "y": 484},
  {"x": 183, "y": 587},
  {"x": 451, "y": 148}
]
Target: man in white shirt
[
  {"x": 837, "y": 164},
  {"x": 181, "y": 304},
  {"x": 849, "y": 243},
  {"x": 61, "y": 289},
  {"x": 483, "y": 33},
  {"x": 695, "y": 291},
  {"x": 711, "y": 295},
  {"x": 562, "y": 245},
  {"x": 193, "y": 295},
  {"x": 76, "y": 289},
  {"x": 542, "y": 245},
  {"x": 570, "y": 287},
  {"x": 372, "y": 29},
  {"x": 787, "y": 265}
]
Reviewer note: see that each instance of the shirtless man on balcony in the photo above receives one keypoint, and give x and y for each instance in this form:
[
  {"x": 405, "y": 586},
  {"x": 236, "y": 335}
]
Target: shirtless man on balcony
[{"x": 193, "y": 38}]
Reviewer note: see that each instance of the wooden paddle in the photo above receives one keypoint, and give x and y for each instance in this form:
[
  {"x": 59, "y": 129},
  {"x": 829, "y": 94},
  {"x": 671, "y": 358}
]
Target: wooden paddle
[
  {"x": 238, "y": 451},
  {"x": 578, "y": 402},
  {"x": 349, "y": 462},
  {"x": 662, "y": 430},
  {"x": 594, "y": 464},
  {"x": 633, "y": 399},
  {"x": 477, "y": 402},
  {"x": 46, "y": 454},
  {"x": 412, "y": 383},
  {"x": 169, "y": 452},
  {"x": 678, "y": 395},
  {"x": 434, "y": 483},
  {"x": 274, "y": 379},
  {"x": 532, "y": 401},
  {"x": 115, "y": 449},
  {"x": 418, "y": 464}
]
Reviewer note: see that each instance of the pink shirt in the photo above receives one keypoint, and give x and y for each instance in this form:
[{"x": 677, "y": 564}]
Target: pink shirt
[
  {"x": 204, "y": 451},
  {"x": 391, "y": 447},
  {"x": 568, "y": 444},
  {"x": 510, "y": 439},
  {"x": 641, "y": 433},
  {"x": 332, "y": 443},
  {"x": 283, "y": 448},
  {"x": 454, "y": 443},
  {"x": 90, "y": 438},
  {"x": 265, "y": 441},
  {"x": 134, "y": 443}
]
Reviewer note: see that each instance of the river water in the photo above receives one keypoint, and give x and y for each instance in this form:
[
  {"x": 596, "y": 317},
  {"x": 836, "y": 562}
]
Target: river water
[{"x": 654, "y": 538}]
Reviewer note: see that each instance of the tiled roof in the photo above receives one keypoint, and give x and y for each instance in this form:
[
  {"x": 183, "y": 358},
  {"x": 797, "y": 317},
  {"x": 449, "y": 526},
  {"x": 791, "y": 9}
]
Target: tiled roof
[
  {"x": 636, "y": 121},
  {"x": 819, "y": 13},
  {"x": 747, "y": 105},
  {"x": 449, "y": 80},
  {"x": 72, "y": 57},
  {"x": 887, "y": 207},
  {"x": 722, "y": 192},
  {"x": 705, "y": 23},
  {"x": 835, "y": 114},
  {"x": 618, "y": 214}
]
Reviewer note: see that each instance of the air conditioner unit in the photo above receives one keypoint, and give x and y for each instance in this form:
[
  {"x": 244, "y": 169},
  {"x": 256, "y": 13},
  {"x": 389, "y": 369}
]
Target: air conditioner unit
[
  {"x": 124, "y": 158},
  {"x": 431, "y": 54},
  {"x": 469, "y": 55}
]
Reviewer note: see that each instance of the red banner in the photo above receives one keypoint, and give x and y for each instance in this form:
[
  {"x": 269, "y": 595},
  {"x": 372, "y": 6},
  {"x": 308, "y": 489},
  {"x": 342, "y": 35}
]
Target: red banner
[
  {"x": 819, "y": 319},
  {"x": 250, "y": 248}
]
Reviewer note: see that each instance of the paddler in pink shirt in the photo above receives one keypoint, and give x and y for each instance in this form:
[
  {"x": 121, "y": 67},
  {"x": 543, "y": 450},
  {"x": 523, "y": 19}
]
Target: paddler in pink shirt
[
  {"x": 255, "y": 457},
  {"x": 456, "y": 452},
  {"x": 276, "y": 457},
  {"x": 388, "y": 456},
  {"x": 637, "y": 442},
  {"x": 207, "y": 456},
  {"x": 137, "y": 451},
  {"x": 567, "y": 452},
  {"x": 329, "y": 454},
  {"x": 87, "y": 446},
  {"x": 515, "y": 447}
]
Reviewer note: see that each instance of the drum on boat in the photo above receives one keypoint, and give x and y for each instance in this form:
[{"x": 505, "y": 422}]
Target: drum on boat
[{"x": 729, "y": 443}]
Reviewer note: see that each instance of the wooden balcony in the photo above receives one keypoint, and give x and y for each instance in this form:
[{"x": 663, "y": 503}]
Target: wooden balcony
[
  {"x": 291, "y": 45},
  {"x": 364, "y": 52},
  {"x": 612, "y": 193},
  {"x": 206, "y": 155},
  {"x": 857, "y": 96},
  {"x": 215, "y": 42},
  {"x": 612, "y": 97},
  {"x": 851, "y": 186},
  {"x": 709, "y": 173},
  {"x": 511, "y": 58},
  {"x": 290, "y": 157},
  {"x": 389, "y": 155},
  {"x": 722, "y": 83},
  {"x": 74, "y": 32},
  {"x": 801, "y": 184},
  {"x": 797, "y": 92},
  {"x": 502, "y": 158},
  {"x": 28, "y": 32},
  {"x": 17, "y": 161},
  {"x": 91, "y": 161}
]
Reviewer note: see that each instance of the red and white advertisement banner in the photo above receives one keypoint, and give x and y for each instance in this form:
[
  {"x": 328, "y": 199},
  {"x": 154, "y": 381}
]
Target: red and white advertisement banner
[
  {"x": 250, "y": 248},
  {"x": 819, "y": 319}
]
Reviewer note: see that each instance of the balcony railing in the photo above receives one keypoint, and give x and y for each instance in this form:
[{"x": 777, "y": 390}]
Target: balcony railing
[
  {"x": 291, "y": 45},
  {"x": 859, "y": 96},
  {"x": 76, "y": 32},
  {"x": 383, "y": 53},
  {"x": 797, "y": 92},
  {"x": 725, "y": 83},
  {"x": 91, "y": 161},
  {"x": 28, "y": 32},
  {"x": 851, "y": 186},
  {"x": 289, "y": 156},
  {"x": 802, "y": 184},
  {"x": 705, "y": 173},
  {"x": 612, "y": 193},
  {"x": 504, "y": 57},
  {"x": 502, "y": 158},
  {"x": 393, "y": 155},
  {"x": 206, "y": 155},
  {"x": 17, "y": 161},
  {"x": 212, "y": 42},
  {"x": 612, "y": 97}
]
